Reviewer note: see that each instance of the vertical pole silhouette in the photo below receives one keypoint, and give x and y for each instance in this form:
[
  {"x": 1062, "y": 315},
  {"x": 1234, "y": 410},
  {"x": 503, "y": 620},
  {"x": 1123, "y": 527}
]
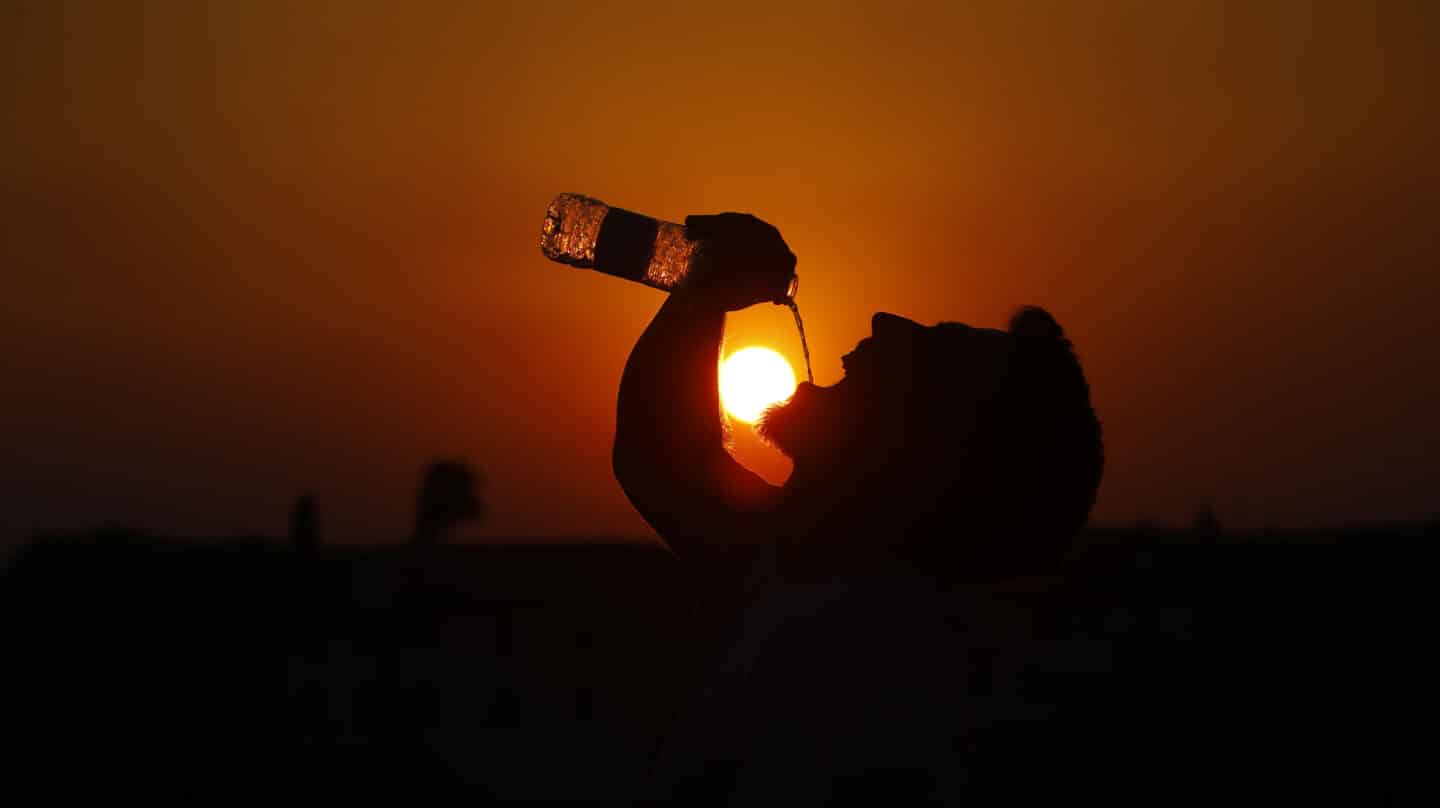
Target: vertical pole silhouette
[
  {"x": 1206, "y": 522},
  {"x": 304, "y": 525}
]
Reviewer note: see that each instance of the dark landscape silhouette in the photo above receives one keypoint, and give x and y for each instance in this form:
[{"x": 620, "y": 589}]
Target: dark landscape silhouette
[{"x": 1158, "y": 666}]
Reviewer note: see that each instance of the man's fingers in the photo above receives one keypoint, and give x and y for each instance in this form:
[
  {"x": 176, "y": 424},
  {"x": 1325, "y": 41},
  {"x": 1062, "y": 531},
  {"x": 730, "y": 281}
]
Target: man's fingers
[
  {"x": 697, "y": 227},
  {"x": 702, "y": 227},
  {"x": 737, "y": 226}
]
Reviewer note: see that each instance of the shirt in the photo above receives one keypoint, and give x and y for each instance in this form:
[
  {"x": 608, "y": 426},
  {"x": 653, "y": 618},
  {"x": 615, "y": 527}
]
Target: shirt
[{"x": 839, "y": 691}]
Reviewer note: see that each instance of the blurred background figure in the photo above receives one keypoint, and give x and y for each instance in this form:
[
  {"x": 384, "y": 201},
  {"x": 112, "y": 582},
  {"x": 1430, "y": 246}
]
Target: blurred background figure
[{"x": 448, "y": 496}]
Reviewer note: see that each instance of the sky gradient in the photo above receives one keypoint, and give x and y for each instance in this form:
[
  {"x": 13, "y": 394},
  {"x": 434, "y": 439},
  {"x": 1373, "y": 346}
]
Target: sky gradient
[{"x": 256, "y": 249}]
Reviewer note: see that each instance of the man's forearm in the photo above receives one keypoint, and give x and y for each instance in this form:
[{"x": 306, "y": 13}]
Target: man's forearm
[
  {"x": 669, "y": 405},
  {"x": 670, "y": 456}
]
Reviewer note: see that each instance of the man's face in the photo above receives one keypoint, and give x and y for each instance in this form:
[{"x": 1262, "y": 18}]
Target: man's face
[
  {"x": 823, "y": 423},
  {"x": 891, "y": 382}
]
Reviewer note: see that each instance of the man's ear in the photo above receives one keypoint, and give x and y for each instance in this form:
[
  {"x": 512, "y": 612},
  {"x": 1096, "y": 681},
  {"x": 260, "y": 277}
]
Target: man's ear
[{"x": 1033, "y": 322}]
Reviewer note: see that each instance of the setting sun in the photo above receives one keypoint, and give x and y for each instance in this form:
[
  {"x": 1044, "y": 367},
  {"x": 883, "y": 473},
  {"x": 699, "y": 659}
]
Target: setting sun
[{"x": 753, "y": 379}]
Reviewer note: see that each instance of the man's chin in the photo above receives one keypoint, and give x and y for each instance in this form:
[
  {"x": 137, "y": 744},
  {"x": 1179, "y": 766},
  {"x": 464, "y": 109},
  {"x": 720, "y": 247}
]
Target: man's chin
[
  {"x": 775, "y": 426},
  {"x": 781, "y": 424}
]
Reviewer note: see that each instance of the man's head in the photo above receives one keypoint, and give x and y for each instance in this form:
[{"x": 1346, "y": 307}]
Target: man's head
[{"x": 949, "y": 439}]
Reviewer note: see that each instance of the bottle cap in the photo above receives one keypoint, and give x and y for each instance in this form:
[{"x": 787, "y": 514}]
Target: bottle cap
[{"x": 791, "y": 290}]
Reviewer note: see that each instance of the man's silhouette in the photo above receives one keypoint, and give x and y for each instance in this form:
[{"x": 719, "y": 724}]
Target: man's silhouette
[{"x": 947, "y": 457}]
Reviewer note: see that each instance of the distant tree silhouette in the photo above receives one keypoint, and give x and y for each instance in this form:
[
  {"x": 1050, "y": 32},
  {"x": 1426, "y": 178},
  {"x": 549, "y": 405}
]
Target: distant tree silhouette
[
  {"x": 304, "y": 524},
  {"x": 448, "y": 496}
]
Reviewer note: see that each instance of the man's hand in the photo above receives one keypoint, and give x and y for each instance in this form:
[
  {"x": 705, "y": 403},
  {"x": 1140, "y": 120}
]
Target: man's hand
[{"x": 741, "y": 261}]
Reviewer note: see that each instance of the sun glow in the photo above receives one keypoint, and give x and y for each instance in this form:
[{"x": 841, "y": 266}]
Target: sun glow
[{"x": 753, "y": 379}]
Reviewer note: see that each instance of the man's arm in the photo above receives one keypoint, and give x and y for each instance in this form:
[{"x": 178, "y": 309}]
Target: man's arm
[{"x": 670, "y": 455}]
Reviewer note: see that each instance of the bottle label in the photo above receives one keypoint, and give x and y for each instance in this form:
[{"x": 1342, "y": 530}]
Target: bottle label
[{"x": 626, "y": 244}]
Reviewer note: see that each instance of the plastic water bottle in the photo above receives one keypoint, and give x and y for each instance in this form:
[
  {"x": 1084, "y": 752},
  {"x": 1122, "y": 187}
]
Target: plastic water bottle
[{"x": 588, "y": 233}]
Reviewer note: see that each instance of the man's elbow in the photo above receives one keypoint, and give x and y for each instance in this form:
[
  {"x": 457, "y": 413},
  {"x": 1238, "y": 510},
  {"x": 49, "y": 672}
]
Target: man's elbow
[
  {"x": 624, "y": 460},
  {"x": 635, "y": 470}
]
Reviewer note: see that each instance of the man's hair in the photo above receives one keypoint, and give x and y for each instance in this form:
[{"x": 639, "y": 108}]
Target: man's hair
[{"x": 1023, "y": 466}]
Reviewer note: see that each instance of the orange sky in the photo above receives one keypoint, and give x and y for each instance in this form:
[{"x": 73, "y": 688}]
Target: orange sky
[{"x": 252, "y": 249}]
